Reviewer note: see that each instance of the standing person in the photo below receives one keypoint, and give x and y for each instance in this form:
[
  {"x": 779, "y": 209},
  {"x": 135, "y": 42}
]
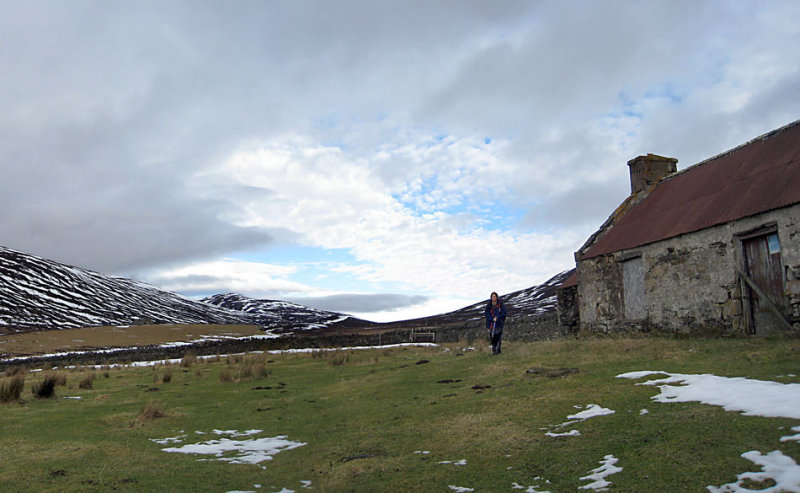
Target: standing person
[{"x": 495, "y": 319}]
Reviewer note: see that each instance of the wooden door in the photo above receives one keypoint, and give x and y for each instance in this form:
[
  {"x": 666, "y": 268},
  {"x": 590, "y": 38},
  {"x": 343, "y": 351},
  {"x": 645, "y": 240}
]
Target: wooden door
[
  {"x": 633, "y": 289},
  {"x": 764, "y": 267}
]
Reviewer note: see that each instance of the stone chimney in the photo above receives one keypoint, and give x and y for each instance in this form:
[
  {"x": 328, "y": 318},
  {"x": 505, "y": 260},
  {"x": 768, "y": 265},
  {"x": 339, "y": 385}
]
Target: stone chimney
[{"x": 647, "y": 170}]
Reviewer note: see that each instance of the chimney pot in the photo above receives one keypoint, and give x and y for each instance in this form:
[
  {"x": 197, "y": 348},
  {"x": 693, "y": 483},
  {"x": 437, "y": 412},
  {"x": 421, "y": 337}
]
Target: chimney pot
[{"x": 648, "y": 170}]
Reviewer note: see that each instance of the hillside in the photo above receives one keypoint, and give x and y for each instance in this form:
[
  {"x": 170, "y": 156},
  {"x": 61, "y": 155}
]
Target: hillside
[
  {"x": 281, "y": 315},
  {"x": 40, "y": 294},
  {"x": 532, "y": 301}
]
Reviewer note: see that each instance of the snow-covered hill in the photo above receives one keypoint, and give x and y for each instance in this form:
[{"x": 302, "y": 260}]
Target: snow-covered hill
[
  {"x": 280, "y": 315},
  {"x": 535, "y": 300},
  {"x": 40, "y": 294}
]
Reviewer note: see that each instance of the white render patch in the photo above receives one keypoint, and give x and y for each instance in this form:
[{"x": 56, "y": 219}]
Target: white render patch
[
  {"x": 250, "y": 451},
  {"x": 598, "y": 475},
  {"x": 749, "y": 397}
]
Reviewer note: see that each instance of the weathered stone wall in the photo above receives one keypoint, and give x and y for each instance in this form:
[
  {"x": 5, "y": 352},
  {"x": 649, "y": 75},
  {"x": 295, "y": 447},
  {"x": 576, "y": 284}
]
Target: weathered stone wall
[
  {"x": 526, "y": 328},
  {"x": 691, "y": 284},
  {"x": 567, "y": 308}
]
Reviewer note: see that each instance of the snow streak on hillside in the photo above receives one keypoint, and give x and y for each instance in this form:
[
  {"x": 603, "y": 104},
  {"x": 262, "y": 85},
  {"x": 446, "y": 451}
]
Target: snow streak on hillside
[
  {"x": 536, "y": 300},
  {"x": 279, "y": 315},
  {"x": 40, "y": 294}
]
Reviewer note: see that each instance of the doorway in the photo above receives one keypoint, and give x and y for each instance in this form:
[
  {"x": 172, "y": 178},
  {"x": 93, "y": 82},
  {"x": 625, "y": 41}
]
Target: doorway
[{"x": 764, "y": 267}]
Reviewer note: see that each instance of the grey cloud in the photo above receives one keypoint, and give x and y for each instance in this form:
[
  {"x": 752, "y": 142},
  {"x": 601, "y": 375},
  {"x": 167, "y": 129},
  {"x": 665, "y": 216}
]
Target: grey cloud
[
  {"x": 360, "y": 303},
  {"x": 114, "y": 109},
  {"x": 584, "y": 206}
]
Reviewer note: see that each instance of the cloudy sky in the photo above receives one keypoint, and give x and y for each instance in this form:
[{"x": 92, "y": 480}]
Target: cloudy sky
[{"x": 383, "y": 158}]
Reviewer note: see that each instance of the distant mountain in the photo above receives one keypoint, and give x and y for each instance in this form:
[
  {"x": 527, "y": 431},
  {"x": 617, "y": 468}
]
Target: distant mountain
[
  {"x": 40, "y": 294},
  {"x": 536, "y": 300},
  {"x": 281, "y": 315}
]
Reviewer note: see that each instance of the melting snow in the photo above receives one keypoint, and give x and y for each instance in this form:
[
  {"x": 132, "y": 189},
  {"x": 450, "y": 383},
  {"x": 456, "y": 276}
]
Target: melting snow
[
  {"x": 571, "y": 433},
  {"x": 751, "y": 398},
  {"x": 252, "y": 451},
  {"x": 598, "y": 475},
  {"x": 528, "y": 489},
  {"x": 592, "y": 410},
  {"x": 462, "y": 462}
]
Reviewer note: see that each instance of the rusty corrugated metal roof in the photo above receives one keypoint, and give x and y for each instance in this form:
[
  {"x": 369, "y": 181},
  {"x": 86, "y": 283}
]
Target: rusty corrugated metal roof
[
  {"x": 759, "y": 176},
  {"x": 570, "y": 281}
]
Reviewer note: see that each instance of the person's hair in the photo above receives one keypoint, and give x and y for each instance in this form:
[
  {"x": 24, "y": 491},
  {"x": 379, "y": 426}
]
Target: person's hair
[{"x": 494, "y": 294}]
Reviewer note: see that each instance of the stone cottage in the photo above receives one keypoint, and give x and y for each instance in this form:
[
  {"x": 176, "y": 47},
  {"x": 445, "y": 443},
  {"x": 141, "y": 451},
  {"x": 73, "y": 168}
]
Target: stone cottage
[{"x": 711, "y": 249}]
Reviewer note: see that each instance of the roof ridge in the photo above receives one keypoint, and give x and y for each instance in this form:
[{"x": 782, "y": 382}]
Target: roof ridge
[{"x": 763, "y": 137}]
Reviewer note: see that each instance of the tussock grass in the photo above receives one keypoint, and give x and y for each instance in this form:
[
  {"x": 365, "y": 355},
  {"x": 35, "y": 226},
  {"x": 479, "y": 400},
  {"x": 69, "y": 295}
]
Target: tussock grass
[
  {"x": 87, "y": 381},
  {"x": 11, "y": 388},
  {"x": 16, "y": 370},
  {"x": 153, "y": 410},
  {"x": 226, "y": 375},
  {"x": 241, "y": 368},
  {"x": 188, "y": 359},
  {"x": 46, "y": 387}
]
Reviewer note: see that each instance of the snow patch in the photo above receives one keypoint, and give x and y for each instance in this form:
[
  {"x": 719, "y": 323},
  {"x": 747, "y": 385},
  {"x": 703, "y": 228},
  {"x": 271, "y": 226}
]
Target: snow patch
[
  {"x": 592, "y": 410},
  {"x": 251, "y": 451},
  {"x": 571, "y": 433},
  {"x": 776, "y": 466},
  {"x": 598, "y": 475}
]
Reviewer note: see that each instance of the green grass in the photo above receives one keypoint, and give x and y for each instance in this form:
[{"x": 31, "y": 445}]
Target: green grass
[{"x": 363, "y": 414}]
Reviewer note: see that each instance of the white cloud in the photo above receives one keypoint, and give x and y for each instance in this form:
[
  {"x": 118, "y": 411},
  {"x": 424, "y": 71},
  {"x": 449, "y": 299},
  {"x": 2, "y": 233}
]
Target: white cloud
[
  {"x": 452, "y": 148},
  {"x": 256, "y": 279}
]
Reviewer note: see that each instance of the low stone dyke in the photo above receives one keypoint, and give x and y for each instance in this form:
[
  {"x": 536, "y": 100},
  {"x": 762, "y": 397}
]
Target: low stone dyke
[{"x": 529, "y": 328}]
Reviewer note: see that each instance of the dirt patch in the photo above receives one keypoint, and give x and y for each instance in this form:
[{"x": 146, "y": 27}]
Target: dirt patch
[{"x": 552, "y": 372}]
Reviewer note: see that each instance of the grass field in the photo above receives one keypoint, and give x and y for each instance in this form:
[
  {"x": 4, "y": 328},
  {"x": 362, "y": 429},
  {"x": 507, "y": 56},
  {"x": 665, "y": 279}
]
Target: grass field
[{"x": 397, "y": 419}]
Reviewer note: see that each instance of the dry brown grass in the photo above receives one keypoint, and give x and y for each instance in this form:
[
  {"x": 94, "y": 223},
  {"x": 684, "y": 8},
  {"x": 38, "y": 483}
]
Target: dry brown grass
[
  {"x": 51, "y": 341},
  {"x": 188, "y": 359},
  {"x": 16, "y": 370},
  {"x": 46, "y": 387},
  {"x": 151, "y": 411},
  {"x": 241, "y": 368},
  {"x": 225, "y": 375},
  {"x": 86, "y": 381},
  {"x": 11, "y": 388}
]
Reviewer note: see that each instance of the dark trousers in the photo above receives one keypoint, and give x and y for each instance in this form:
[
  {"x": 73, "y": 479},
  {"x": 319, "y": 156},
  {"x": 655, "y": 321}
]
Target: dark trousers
[{"x": 496, "y": 338}]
